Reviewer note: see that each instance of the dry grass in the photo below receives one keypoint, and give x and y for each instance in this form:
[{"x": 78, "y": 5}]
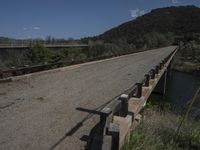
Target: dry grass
[{"x": 158, "y": 130}]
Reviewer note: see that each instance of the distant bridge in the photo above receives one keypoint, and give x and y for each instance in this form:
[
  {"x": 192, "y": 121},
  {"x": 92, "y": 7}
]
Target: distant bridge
[
  {"x": 90, "y": 105},
  {"x": 23, "y": 46}
]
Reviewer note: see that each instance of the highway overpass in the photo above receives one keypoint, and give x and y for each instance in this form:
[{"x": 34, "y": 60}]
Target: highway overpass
[{"x": 48, "y": 110}]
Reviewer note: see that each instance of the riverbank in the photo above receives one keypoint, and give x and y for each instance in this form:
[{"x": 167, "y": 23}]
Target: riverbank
[
  {"x": 159, "y": 131},
  {"x": 163, "y": 115},
  {"x": 186, "y": 66}
]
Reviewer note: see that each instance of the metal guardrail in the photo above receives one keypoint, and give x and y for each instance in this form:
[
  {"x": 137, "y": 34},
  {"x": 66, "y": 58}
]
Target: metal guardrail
[{"x": 120, "y": 106}]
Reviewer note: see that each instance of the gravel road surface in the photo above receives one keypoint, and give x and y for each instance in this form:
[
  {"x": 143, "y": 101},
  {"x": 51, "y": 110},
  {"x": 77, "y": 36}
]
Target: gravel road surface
[{"x": 39, "y": 113}]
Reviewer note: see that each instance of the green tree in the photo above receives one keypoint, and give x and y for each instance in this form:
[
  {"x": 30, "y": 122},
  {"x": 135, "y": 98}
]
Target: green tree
[
  {"x": 39, "y": 54},
  {"x": 75, "y": 54}
]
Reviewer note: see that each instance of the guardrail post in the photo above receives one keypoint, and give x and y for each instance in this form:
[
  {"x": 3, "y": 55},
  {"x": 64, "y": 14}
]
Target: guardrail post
[
  {"x": 114, "y": 130},
  {"x": 160, "y": 66},
  {"x": 165, "y": 59},
  {"x": 152, "y": 74},
  {"x": 163, "y": 63},
  {"x": 139, "y": 90},
  {"x": 105, "y": 112},
  {"x": 124, "y": 104},
  {"x": 157, "y": 69},
  {"x": 147, "y": 76}
]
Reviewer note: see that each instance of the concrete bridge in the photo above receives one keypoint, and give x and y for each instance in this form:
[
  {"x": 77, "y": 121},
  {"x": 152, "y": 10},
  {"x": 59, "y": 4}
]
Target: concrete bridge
[
  {"x": 23, "y": 46},
  {"x": 91, "y": 105},
  {"x": 12, "y": 50}
]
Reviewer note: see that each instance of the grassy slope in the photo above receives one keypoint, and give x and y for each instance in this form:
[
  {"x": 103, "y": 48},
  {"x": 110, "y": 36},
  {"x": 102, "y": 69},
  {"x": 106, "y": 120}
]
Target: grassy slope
[{"x": 157, "y": 132}]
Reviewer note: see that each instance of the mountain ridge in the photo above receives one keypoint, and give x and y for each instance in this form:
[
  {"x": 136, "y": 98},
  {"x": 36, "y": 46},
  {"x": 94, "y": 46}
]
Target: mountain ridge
[{"x": 179, "y": 20}]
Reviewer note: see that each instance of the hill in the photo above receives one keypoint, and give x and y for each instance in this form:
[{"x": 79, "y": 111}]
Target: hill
[
  {"x": 180, "y": 22},
  {"x": 158, "y": 28}
]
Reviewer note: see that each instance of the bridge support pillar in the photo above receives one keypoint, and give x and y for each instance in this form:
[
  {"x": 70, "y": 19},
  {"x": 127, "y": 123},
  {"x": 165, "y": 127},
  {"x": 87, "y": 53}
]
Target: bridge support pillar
[
  {"x": 161, "y": 86},
  {"x": 169, "y": 72}
]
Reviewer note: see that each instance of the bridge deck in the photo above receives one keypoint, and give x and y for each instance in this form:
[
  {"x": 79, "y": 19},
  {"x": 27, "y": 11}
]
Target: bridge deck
[{"x": 40, "y": 112}]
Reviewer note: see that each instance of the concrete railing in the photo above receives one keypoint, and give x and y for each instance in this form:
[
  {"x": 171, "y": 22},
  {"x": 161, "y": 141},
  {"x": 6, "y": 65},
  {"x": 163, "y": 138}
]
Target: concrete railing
[
  {"x": 118, "y": 117},
  {"x": 4, "y": 46}
]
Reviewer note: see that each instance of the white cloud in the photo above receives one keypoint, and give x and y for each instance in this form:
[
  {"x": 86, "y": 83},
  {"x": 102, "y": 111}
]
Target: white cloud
[
  {"x": 36, "y": 28},
  {"x": 136, "y": 12},
  {"x": 175, "y": 1},
  {"x": 24, "y": 28}
]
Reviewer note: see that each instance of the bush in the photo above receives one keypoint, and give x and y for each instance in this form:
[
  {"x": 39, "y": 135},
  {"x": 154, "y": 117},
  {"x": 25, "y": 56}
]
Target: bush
[{"x": 39, "y": 54}]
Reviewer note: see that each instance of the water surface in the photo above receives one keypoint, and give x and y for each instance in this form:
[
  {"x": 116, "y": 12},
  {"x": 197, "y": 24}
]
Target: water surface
[{"x": 181, "y": 87}]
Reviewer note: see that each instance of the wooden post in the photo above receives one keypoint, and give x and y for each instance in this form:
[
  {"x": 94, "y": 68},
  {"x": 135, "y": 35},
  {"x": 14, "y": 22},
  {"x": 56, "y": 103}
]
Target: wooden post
[
  {"x": 157, "y": 69},
  {"x": 124, "y": 104},
  {"x": 139, "y": 90},
  {"x": 147, "y": 76},
  {"x": 105, "y": 112},
  {"x": 152, "y": 74},
  {"x": 160, "y": 66}
]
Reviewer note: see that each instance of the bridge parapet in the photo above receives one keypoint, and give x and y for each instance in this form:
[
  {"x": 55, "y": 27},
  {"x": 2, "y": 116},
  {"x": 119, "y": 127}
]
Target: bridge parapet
[
  {"x": 18, "y": 46},
  {"x": 118, "y": 117}
]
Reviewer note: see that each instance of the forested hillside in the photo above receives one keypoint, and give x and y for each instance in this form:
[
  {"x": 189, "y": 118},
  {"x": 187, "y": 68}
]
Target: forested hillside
[{"x": 181, "y": 23}]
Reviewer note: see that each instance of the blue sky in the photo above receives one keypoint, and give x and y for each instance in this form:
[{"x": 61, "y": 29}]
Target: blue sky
[{"x": 72, "y": 18}]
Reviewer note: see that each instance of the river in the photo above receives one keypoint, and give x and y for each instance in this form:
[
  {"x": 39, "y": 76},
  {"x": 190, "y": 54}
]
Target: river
[{"x": 180, "y": 89}]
